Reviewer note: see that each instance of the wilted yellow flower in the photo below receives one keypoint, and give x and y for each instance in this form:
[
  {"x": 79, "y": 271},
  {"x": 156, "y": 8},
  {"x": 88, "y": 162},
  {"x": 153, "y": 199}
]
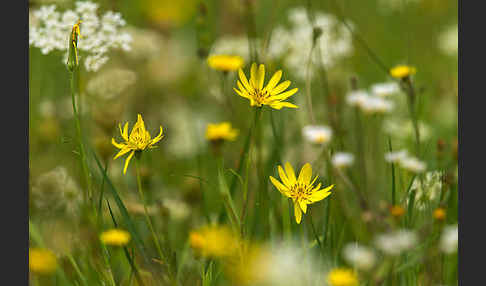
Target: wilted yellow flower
[
  {"x": 225, "y": 62},
  {"x": 73, "y": 47},
  {"x": 342, "y": 277},
  {"x": 271, "y": 95},
  {"x": 439, "y": 214},
  {"x": 402, "y": 71},
  {"x": 115, "y": 237},
  {"x": 42, "y": 261},
  {"x": 214, "y": 241},
  {"x": 397, "y": 211},
  {"x": 301, "y": 190},
  {"x": 138, "y": 140},
  {"x": 221, "y": 131}
]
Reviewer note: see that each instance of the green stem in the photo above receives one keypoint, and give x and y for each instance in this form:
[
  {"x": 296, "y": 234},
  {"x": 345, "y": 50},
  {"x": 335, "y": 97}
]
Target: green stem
[
  {"x": 108, "y": 265},
  {"x": 80, "y": 137},
  {"x": 147, "y": 217},
  {"x": 309, "y": 216},
  {"x": 76, "y": 268},
  {"x": 246, "y": 147}
]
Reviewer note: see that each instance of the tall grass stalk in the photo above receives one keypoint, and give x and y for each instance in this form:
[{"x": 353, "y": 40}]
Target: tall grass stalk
[
  {"x": 77, "y": 119},
  {"x": 146, "y": 214}
]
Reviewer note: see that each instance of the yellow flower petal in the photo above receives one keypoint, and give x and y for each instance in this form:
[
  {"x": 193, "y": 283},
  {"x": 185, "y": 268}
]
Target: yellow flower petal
[
  {"x": 285, "y": 95},
  {"x": 243, "y": 80},
  {"x": 283, "y": 176},
  {"x": 117, "y": 145},
  {"x": 303, "y": 206},
  {"x": 305, "y": 174},
  {"x": 254, "y": 76},
  {"x": 297, "y": 213},
  {"x": 281, "y": 87},
  {"x": 158, "y": 137},
  {"x": 290, "y": 173},
  {"x": 261, "y": 76},
  {"x": 320, "y": 195},
  {"x": 274, "y": 81},
  {"x": 127, "y": 160},
  {"x": 122, "y": 152},
  {"x": 280, "y": 187}
]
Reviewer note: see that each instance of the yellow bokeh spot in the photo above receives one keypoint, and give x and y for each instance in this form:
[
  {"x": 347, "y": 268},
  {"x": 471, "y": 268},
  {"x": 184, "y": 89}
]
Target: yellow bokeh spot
[
  {"x": 42, "y": 261},
  {"x": 342, "y": 277},
  {"x": 225, "y": 62},
  {"x": 115, "y": 237}
]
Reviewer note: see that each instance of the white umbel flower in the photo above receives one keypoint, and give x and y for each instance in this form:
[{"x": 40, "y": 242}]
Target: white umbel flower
[
  {"x": 342, "y": 159},
  {"x": 317, "y": 134},
  {"x": 293, "y": 44},
  {"x": 359, "y": 256},
  {"x": 49, "y": 30},
  {"x": 449, "y": 239}
]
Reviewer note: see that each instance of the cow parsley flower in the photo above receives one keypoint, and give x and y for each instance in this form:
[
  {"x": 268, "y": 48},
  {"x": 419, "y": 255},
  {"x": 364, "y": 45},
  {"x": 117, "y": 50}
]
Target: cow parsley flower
[
  {"x": 49, "y": 30},
  {"x": 294, "y": 44}
]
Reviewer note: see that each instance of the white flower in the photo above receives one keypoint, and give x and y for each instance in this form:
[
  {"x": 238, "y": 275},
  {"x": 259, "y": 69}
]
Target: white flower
[
  {"x": 359, "y": 256},
  {"x": 178, "y": 209},
  {"x": 374, "y": 104},
  {"x": 231, "y": 45},
  {"x": 396, "y": 242},
  {"x": 50, "y": 30},
  {"x": 426, "y": 190},
  {"x": 281, "y": 265},
  {"x": 403, "y": 129},
  {"x": 56, "y": 191},
  {"x": 356, "y": 98},
  {"x": 449, "y": 239},
  {"x": 396, "y": 156},
  {"x": 342, "y": 159},
  {"x": 369, "y": 103},
  {"x": 294, "y": 44},
  {"x": 111, "y": 83},
  {"x": 448, "y": 40},
  {"x": 385, "y": 89},
  {"x": 317, "y": 134},
  {"x": 413, "y": 165}
]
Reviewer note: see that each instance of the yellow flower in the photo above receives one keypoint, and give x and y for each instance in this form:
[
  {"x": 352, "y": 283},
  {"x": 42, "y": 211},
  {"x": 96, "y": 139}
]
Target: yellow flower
[
  {"x": 42, "y": 261},
  {"x": 75, "y": 34},
  {"x": 214, "y": 241},
  {"x": 138, "y": 140},
  {"x": 115, "y": 237},
  {"x": 221, "y": 131},
  {"x": 397, "y": 211},
  {"x": 342, "y": 277},
  {"x": 439, "y": 214},
  {"x": 225, "y": 62},
  {"x": 402, "y": 71},
  {"x": 271, "y": 95},
  {"x": 301, "y": 190}
]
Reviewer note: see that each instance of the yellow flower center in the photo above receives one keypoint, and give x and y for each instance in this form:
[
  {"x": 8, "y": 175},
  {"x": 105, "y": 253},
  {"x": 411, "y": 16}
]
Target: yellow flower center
[
  {"x": 259, "y": 96},
  {"x": 300, "y": 191}
]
